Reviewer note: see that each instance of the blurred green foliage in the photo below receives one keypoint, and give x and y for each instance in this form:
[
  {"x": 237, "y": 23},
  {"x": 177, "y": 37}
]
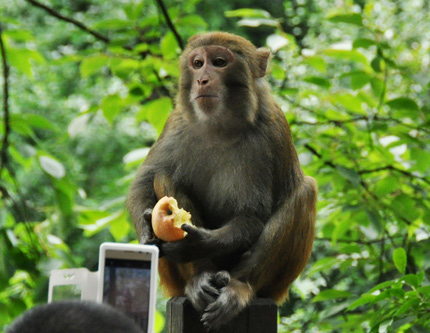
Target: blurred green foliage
[{"x": 91, "y": 84}]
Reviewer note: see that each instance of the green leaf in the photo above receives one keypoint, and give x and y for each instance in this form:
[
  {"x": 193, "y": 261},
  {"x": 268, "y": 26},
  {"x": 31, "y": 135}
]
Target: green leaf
[
  {"x": 353, "y": 55},
  {"x": 383, "y": 285},
  {"x": 382, "y": 296},
  {"x": 421, "y": 159},
  {"x": 364, "y": 299},
  {"x": 169, "y": 46},
  {"x": 112, "y": 24},
  {"x": 323, "y": 264},
  {"x": 38, "y": 121},
  {"x": 330, "y": 294},
  {"x": 92, "y": 64},
  {"x": 386, "y": 186},
  {"x": 119, "y": 228},
  {"x": 22, "y": 60},
  {"x": 156, "y": 112},
  {"x": 425, "y": 291},
  {"x": 374, "y": 219},
  {"x": 19, "y": 35},
  {"x": 349, "y": 102},
  {"x": 100, "y": 224},
  {"x": 26, "y": 121},
  {"x": 51, "y": 166},
  {"x": 341, "y": 228},
  {"x": 400, "y": 259},
  {"x": 412, "y": 280},
  {"x": 378, "y": 64},
  {"x": 133, "y": 10},
  {"x": 377, "y": 86},
  {"x": 110, "y": 106},
  {"x": 403, "y": 103},
  {"x": 123, "y": 68},
  {"x": 350, "y": 18},
  {"x": 194, "y": 21},
  {"x": 349, "y": 174},
  {"x": 364, "y": 43},
  {"x": 316, "y": 62},
  {"x": 358, "y": 79},
  {"x": 409, "y": 304},
  {"x": 318, "y": 81},
  {"x": 248, "y": 12}
]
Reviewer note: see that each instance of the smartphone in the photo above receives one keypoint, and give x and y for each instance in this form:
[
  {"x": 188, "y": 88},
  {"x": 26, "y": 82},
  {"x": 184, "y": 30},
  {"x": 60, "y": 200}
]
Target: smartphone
[{"x": 128, "y": 280}]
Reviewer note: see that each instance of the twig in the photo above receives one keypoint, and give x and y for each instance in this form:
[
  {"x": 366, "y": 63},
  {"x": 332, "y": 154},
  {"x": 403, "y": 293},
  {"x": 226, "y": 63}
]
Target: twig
[
  {"x": 80, "y": 25},
  {"x": 170, "y": 24},
  {"x": 314, "y": 152},
  {"x": 393, "y": 168},
  {"x": 353, "y": 241},
  {"x": 5, "y": 143},
  {"x": 292, "y": 101}
]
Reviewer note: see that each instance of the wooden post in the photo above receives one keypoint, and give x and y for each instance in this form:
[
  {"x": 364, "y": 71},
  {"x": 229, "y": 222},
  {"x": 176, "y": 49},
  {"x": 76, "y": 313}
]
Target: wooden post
[{"x": 259, "y": 317}]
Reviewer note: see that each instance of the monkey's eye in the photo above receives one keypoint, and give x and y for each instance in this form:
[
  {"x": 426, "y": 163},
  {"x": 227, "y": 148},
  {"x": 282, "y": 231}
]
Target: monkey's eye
[
  {"x": 198, "y": 63},
  {"x": 219, "y": 62}
]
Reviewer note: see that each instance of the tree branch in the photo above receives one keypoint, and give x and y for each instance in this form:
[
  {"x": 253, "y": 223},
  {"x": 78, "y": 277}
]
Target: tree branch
[
  {"x": 7, "y": 129},
  {"x": 393, "y": 168},
  {"x": 354, "y": 241},
  {"x": 170, "y": 24},
  {"x": 78, "y": 24}
]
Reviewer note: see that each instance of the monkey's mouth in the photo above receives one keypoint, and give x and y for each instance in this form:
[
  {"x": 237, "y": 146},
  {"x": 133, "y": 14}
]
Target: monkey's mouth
[{"x": 206, "y": 96}]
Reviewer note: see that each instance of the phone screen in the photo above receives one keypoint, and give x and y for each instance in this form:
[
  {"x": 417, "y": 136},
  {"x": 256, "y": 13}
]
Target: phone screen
[{"x": 127, "y": 278}]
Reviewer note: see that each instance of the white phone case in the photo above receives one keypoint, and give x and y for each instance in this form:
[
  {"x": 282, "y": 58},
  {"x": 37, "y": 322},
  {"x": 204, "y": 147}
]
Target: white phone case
[{"x": 148, "y": 249}]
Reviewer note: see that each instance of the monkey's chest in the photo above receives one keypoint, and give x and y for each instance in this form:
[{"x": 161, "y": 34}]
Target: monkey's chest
[{"x": 224, "y": 185}]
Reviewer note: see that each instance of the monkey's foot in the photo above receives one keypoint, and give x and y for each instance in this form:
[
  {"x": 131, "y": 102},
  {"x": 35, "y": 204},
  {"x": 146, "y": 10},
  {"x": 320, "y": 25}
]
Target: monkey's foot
[{"x": 232, "y": 299}]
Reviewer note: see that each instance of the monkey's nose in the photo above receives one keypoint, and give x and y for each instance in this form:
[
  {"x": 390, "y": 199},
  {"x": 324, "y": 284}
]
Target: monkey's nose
[{"x": 203, "y": 81}]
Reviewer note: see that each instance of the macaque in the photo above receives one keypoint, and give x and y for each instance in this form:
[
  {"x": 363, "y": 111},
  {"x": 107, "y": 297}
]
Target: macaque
[
  {"x": 227, "y": 156},
  {"x": 73, "y": 317}
]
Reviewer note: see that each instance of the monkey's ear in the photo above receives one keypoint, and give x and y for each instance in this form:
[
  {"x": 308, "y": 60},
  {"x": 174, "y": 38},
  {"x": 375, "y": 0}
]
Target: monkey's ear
[{"x": 263, "y": 55}]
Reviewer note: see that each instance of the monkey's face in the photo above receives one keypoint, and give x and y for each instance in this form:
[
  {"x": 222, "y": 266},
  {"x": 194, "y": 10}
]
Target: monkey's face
[{"x": 209, "y": 67}]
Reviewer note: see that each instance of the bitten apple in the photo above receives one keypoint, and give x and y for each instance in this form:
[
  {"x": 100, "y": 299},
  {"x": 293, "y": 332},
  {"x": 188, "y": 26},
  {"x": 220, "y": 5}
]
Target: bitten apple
[{"x": 167, "y": 219}]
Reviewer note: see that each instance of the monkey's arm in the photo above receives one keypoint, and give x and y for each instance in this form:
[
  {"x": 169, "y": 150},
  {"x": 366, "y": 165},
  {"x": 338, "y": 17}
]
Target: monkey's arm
[
  {"x": 140, "y": 201},
  {"x": 238, "y": 235}
]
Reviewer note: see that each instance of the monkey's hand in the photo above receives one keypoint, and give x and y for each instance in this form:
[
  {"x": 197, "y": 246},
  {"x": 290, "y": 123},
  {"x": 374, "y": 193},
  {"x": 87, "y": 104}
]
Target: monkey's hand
[
  {"x": 197, "y": 244},
  {"x": 204, "y": 288}
]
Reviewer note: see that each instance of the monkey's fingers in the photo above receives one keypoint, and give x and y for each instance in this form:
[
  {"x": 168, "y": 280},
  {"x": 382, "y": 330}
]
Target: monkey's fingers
[
  {"x": 196, "y": 233},
  {"x": 189, "y": 229},
  {"x": 147, "y": 215}
]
